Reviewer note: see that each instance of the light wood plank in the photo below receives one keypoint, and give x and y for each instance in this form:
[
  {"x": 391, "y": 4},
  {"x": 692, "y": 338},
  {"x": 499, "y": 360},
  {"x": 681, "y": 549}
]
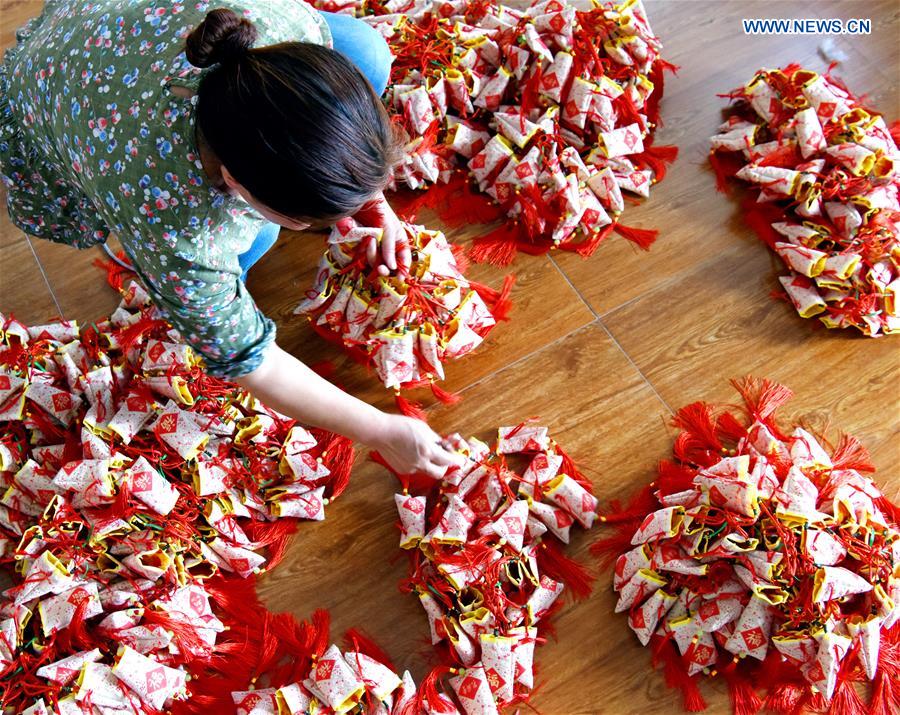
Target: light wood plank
[
  {"x": 719, "y": 322},
  {"x": 80, "y": 287},
  {"x": 14, "y": 14}
]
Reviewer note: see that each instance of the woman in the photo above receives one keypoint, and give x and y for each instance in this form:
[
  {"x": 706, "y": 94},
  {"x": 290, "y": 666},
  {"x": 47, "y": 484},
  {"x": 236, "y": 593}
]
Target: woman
[{"x": 183, "y": 133}]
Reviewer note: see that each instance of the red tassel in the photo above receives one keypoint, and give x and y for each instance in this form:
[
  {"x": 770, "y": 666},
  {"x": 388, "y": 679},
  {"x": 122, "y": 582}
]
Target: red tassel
[
  {"x": 378, "y": 459},
  {"x": 760, "y": 216},
  {"x": 531, "y": 91},
  {"x": 569, "y": 467},
  {"x": 625, "y": 109},
  {"x": 256, "y": 644},
  {"x": 895, "y": 131},
  {"x": 886, "y": 688},
  {"x": 409, "y": 408},
  {"x": 698, "y": 422},
  {"x": 498, "y": 301},
  {"x": 787, "y": 690},
  {"x": 586, "y": 248},
  {"x": 608, "y": 548},
  {"x": 673, "y": 478},
  {"x": 503, "y": 304},
  {"x": 845, "y": 700},
  {"x": 459, "y": 255},
  {"x": 115, "y": 274},
  {"x": 357, "y": 640},
  {"x": 429, "y": 698},
  {"x": 456, "y": 203},
  {"x": 466, "y": 206},
  {"x": 657, "y": 77},
  {"x": 407, "y": 204},
  {"x": 725, "y": 165},
  {"x": 184, "y": 633},
  {"x": 578, "y": 580},
  {"x": 338, "y": 455},
  {"x": 134, "y": 334},
  {"x": 321, "y": 623},
  {"x": 744, "y": 699},
  {"x": 761, "y": 396},
  {"x": 448, "y": 398},
  {"x": 676, "y": 675},
  {"x": 787, "y": 698},
  {"x": 641, "y": 237},
  {"x": 643, "y": 502},
  {"x": 232, "y": 595},
  {"x": 625, "y": 520},
  {"x": 75, "y": 636},
  {"x": 411, "y": 482},
  {"x": 888, "y": 508},
  {"x": 786, "y": 156},
  {"x": 657, "y": 159},
  {"x": 547, "y": 626},
  {"x": 730, "y": 428},
  {"x": 497, "y": 247},
  {"x": 274, "y": 535},
  {"x": 851, "y": 454}
]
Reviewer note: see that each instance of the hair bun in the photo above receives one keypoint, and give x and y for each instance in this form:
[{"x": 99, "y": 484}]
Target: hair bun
[{"x": 223, "y": 36}]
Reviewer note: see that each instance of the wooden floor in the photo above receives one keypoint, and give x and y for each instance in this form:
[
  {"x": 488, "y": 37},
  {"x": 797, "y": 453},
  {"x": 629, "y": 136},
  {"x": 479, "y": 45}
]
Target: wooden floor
[{"x": 602, "y": 350}]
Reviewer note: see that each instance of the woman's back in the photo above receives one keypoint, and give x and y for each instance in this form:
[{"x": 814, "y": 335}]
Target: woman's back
[{"x": 105, "y": 143}]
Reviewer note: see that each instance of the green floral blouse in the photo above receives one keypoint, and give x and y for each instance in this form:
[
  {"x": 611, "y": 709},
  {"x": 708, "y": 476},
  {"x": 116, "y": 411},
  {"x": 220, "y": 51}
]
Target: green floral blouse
[{"x": 93, "y": 141}]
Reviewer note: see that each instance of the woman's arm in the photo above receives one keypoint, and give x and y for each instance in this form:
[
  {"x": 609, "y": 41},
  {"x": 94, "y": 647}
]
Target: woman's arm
[
  {"x": 285, "y": 384},
  {"x": 213, "y": 311}
]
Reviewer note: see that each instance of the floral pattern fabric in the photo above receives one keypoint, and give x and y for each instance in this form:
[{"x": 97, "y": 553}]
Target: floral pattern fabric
[{"x": 93, "y": 141}]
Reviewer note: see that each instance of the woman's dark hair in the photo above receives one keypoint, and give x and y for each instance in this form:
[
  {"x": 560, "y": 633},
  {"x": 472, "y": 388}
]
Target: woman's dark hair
[{"x": 296, "y": 124}]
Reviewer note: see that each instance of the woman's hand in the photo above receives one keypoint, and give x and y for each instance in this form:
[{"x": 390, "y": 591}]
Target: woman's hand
[
  {"x": 395, "y": 251},
  {"x": 411, "y": 446}
]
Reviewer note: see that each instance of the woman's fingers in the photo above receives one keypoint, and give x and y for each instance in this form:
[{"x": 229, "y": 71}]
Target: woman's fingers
[
  {"x": 446, "y": 458},
  {"x": 434, "y": 471},
  {"x": 389, "y": 247},
  {"x": 372, "y": 250},
  {"x": 440, "y": 461},
  {"x": 454, "y": 442}
]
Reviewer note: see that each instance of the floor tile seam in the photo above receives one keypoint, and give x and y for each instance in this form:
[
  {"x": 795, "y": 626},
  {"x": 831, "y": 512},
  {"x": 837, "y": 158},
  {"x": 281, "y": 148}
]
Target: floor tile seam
[
  {"x": 40, "y": 266},
  {"x": 695, "y": 268},
  {"x": 568, "y": 280},
  {"x": 637, "y": 367},
  {"x": 599, "y": 321}
]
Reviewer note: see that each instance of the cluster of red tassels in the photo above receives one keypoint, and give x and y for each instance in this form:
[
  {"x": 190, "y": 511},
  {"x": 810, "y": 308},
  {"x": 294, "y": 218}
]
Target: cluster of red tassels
[
  {"x": 540, "y": 117},
  {"x": 760, "y": 557},
  {"x": 487, "y": 565},
  {"x": 407, "y": 325},
  {"x": 140, "y": 494},
  {"x": 824, "y": 172}
]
